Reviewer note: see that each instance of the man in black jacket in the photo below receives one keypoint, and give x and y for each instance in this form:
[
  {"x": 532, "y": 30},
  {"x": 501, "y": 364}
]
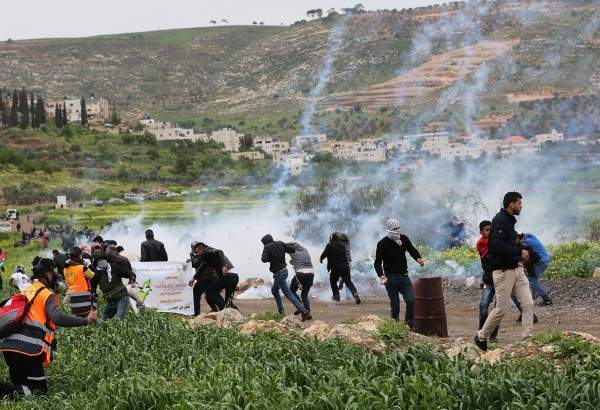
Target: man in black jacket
[
  {"x": 274, "y": 254},
  {"x": 153, "y": 250},
  {"x": 391, "y": 253},
  {"x": 336, "y": 252},
  {"x": 208, "y": 262},
  {"x": 506, "y": 260},
  {"x": 108, "y": 274}
]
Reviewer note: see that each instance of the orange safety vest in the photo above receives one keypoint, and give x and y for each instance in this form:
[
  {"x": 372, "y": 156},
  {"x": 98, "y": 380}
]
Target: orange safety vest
[
  {"x": 80, "y": 297},
  {"x": 75, "y": 278},
  {"x": 37, "y": 334}
]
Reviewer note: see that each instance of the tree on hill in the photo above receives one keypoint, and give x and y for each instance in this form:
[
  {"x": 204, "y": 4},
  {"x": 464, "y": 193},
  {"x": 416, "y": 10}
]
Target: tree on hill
[
  {"x": 224, "y": 21},
  {"x": 254, "y": 23},
  {"x": 58, "y": 116},
  {"x": 40, "y": 112},
  {"x": 84, "y": 117},
  {"x": 14, "y": 110},
  {"x": 2, "y": 105},
  {"x": 213, "y": 22},
  {"x": 65, "y": 117},
  {"x": 24, "y": 109}
]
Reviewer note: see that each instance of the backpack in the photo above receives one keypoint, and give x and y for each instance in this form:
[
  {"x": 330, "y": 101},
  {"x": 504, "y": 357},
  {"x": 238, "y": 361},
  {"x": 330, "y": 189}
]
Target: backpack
[{"x": 13, "y": 313}]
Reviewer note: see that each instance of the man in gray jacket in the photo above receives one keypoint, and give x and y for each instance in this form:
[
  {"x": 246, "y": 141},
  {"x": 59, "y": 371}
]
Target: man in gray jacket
[
  {"x": 274, "y": 254},
  {"x": 305, "y": 274}
]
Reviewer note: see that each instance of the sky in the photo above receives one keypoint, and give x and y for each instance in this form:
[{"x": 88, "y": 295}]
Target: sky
[{"x": 26, "y": 19}]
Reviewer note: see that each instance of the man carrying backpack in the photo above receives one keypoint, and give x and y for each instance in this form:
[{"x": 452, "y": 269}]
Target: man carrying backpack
[
  {"x": 31, "y": 347},
  {"x": 77, "y": 277}
]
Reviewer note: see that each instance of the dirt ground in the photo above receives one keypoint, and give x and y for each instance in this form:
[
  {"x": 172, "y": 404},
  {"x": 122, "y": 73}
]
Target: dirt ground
[{"x": 462, "y": 317}]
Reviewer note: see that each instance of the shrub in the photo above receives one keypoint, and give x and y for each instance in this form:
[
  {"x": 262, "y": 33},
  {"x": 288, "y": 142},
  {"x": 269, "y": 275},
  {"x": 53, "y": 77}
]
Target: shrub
[
  {"x": 570, "y": 259},
  {"x": 268, "y": 315},
  {"x": 392, "y": 332}
]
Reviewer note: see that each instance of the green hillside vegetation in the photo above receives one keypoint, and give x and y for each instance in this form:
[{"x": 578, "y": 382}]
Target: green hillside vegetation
[
  {"x": 38, "y": 165},
  {"x": 261, "y": 76}
]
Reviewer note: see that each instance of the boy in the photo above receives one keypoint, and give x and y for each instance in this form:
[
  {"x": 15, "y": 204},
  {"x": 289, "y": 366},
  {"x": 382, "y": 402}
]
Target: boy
[{"x": 487, "y": 282}]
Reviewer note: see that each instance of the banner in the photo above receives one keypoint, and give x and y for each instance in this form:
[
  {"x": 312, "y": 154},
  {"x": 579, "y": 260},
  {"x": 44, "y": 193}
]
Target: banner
[{"x": 164, "y": 286}]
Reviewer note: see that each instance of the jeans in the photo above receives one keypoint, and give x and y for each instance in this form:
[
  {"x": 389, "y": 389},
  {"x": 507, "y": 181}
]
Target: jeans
[
  {"x": 505, "y": 282},
  {"x": 116, "y": 307},
  {"x": 534, "y": 282},
  {"x": 334, "y": 275},
  {"x": 305, "y": 282},
  {"x": 280, "y": 283},
  {"x": 401, "y": 284},
  {"x": 487, "y": 297}
]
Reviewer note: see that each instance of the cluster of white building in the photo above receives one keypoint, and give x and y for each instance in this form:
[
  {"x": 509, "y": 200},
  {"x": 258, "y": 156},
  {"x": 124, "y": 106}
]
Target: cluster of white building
[{"x": 294, "y": 154}]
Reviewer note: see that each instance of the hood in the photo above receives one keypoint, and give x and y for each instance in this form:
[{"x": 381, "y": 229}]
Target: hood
[{"x": 268, "y": 238}]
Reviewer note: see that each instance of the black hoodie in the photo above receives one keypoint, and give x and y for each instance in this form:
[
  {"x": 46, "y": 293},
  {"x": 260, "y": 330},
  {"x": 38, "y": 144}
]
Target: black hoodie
[{"x": 274, "y": 253}]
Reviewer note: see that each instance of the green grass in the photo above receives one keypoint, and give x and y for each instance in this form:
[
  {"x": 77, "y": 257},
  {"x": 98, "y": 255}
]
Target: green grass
[
  {"x": 392, "y": 332},
  {"x": 156, "y": 361},
  {"x": 268, "y": 315}
]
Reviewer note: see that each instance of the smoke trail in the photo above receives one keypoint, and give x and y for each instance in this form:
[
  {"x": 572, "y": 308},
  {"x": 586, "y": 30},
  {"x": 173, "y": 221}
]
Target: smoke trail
[{"x": 335, "y": 43}]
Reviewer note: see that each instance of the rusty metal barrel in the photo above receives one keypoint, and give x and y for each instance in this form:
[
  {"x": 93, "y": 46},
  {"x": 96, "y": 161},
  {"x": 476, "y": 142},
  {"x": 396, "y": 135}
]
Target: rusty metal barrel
[{"x": 430, "y": 313}]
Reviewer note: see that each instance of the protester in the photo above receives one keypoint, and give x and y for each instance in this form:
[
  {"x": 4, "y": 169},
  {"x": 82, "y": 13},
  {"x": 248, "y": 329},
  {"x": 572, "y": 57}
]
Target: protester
[
  {"x": 152, "y": 250},
  {"x": 2, "y": 263},
  {"x": 392, "y": 268},
  {"x": 506, "y": 258},
  {"x": 134, "y": 299},
  {"x": 60, "y": 260},
  {"x": 31, "y": 348},
  {"x": 487, "y": 282},
  {"x": 42, "y": 240},
  {"x": 19, "y": 279},
  {"x": 108, "y": 275},
  {"x": 274, "y": 254},
  {"x": 536, "y": 270},
  {"x": 77, "y": 278},
  {"x": 207, "y": 261},
  {"x": 227, "y": 280},
  {"x": 336, "y": 253},
  {"x": 305, "y": 275}
]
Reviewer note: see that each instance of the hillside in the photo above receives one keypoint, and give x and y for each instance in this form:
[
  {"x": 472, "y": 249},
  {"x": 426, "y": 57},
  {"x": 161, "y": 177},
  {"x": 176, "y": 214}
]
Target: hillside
[{"x": 422, "y": 61}]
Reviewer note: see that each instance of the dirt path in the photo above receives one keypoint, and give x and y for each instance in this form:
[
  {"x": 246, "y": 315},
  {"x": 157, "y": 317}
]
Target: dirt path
[{"x": 462, "y": 317}]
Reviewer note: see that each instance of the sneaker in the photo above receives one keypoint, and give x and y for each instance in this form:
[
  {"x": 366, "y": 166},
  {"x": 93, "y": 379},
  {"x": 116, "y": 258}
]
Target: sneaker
[
  {"x": 306, "y": 316},
  {"x": 335, "y": 298},
  {"x": 356, "y": 298},
  {"x": 482, "y": 344},
  {"x": 297, "y": 312},
  {"x": 547, "y": 302}
]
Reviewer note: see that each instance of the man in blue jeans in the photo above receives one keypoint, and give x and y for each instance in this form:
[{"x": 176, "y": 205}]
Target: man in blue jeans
[
  {"x": 536, "y": 271},
  {"x": 274, "y": 254},
  {"x": 391, "y": 267}
]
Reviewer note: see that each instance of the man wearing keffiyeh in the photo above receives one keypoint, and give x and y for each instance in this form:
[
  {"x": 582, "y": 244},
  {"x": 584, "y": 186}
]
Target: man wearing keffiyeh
[{"x": 391, "y": 267}]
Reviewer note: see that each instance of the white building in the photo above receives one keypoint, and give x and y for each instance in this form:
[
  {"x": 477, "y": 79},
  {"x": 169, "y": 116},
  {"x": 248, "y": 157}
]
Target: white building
[
  {"x": 228, "y": 137},
  {"x": 73, "y": 110},
  {"x": 270, "y": 145},
  {"x": 314, "y": 139},
  {"x": 370, "y": 149},
  {"x": 251, "y": 155},
  {"x": 294, "y": 163},
  {"x": 166, "y": 131},
  {"x": 399, "y": 144},
  {"x": 554, "y": 136},
  {"x": 460, "y": 151}
]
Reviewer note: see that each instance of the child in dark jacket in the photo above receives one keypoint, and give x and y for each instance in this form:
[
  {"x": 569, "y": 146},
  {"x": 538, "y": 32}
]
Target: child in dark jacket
[{"x": 487, "y": 281}]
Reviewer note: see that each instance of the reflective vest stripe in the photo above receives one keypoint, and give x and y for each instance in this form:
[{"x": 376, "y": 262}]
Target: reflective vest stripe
[
  {"x": 27, "y": 339},
  {"x": 77, "y": 294},
  {"x": 82, "y": 304},
  {"x": 39, "y": 326}
]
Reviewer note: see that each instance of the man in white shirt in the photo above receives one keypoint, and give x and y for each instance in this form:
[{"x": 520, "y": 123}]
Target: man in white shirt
[{"x": 19, "y": 279}]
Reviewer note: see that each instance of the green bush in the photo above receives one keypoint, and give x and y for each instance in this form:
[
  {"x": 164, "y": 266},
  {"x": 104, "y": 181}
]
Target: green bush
[
  {"x": 573, "y": 259},
  {"x": 268, "y": 315}
]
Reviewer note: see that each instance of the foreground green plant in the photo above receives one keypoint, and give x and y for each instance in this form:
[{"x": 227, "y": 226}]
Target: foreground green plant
[
  {"x": 156, "y": 361},
  {"x": 393, "y": 333},
  {"x": 269, "y": 315}
]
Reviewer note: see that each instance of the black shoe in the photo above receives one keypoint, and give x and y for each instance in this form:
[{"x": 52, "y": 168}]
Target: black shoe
[
  {"x": 297, "y": 312},
  {"x": 547, "y": 302},
  {"x": 482, "y": 344},
  {"x": 306, "y": 316},
  {"x": 356, "y": 298},
  {"x": 335, "y": 298}
]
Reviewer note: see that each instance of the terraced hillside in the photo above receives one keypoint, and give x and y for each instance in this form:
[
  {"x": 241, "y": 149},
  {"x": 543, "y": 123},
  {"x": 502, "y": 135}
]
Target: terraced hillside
[{"x": 494, "y": 50}]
